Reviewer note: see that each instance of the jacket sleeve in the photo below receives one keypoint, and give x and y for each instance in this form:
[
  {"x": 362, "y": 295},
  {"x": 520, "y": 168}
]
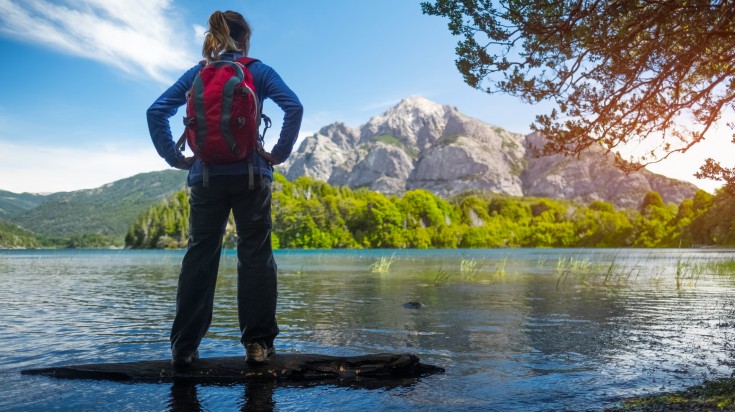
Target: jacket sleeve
[
  {"x": 163, "y": 109},
  {"x": 277, "y": 90}
]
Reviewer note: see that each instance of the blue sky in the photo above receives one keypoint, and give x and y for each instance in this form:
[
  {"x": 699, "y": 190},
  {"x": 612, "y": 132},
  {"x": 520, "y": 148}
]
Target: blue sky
[{"x": 78, "y": 75}]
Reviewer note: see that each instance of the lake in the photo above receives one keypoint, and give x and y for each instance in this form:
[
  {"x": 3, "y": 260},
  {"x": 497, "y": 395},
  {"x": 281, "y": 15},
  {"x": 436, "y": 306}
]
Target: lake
[{"x": 515, "y": 329}]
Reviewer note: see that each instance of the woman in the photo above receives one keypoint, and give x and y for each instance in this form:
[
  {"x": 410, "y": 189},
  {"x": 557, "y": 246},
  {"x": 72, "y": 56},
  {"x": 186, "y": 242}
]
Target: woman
[{"x": 227, "y": 190}]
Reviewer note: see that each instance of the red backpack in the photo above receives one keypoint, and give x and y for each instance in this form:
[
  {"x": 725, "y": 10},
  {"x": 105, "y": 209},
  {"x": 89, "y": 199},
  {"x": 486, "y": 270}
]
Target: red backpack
[{"x": 222, "y": 113}]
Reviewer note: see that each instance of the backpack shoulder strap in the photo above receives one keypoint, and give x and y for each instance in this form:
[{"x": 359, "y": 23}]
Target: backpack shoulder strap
[{"x": 246, "y": 60}]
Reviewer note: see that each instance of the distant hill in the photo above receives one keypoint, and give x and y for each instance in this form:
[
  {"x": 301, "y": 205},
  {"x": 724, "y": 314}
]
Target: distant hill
[
  {"x": 11, "y": 236},
  {"x": 13, "y": 204},
  {"x": 107, "y": 210},
  {"x": 420, "y": 144}
]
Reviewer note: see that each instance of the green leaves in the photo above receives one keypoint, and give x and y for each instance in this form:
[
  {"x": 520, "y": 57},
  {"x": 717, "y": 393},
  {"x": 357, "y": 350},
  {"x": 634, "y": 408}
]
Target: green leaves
[{"x": 162, "y": 226}]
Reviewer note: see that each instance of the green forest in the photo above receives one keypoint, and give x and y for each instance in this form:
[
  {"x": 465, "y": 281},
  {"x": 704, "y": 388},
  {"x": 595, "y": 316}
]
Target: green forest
[
  {"x": 12, "y": 236},
  {"x": 312, "y": 214}
]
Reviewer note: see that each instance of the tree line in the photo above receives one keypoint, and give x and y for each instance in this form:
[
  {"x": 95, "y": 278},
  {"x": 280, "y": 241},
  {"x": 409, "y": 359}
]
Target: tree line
[{"x": 312, "y": 214}]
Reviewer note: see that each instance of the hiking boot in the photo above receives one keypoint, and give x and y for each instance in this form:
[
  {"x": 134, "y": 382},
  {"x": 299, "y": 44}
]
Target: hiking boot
[
  {"x": 257, "y": 353},
  {"x": 184, "y": 362}
]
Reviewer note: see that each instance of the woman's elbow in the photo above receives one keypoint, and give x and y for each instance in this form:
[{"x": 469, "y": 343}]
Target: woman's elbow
[
  {"x": 152, "y": 113},
  {"x": 156, "y": 115},
  {"x": 296, "y": 110}
]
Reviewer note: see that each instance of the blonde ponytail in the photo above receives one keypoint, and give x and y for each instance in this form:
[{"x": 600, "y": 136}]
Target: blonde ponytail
[{"x": 227, "y": 31}]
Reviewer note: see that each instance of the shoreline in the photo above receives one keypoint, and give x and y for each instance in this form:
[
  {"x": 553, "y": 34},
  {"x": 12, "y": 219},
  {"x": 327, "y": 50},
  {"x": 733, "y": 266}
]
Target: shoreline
[{"x": 712, "y": 395}]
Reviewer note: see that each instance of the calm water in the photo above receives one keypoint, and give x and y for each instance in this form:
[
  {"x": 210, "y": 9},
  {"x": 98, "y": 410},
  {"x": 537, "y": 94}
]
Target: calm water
[{"x": 542, "y": 329}]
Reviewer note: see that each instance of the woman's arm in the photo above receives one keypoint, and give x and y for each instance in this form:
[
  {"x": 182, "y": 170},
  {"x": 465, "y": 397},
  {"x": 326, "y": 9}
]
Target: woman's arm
[
  {"x": 162, "y": 110},
  {"x": 277, "y": 90}
]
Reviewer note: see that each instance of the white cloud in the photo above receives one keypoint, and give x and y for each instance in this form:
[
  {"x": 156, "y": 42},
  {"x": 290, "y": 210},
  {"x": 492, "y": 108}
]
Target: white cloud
[
  {"x": 42, "y": 169},
  {"x": 131, "y": 35},
  {"x": 199, "y": 32}
]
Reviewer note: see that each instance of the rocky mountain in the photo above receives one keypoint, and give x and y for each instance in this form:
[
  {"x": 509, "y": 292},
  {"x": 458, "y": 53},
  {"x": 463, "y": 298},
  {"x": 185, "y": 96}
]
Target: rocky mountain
[
  {"x": 420, "y": 144},
  {"x": 107, "y": 210},
  {"x": 592, "y": 176}
]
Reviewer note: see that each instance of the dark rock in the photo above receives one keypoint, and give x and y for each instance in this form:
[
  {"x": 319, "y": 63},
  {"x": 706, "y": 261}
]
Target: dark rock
[{"x": 414, "y": 305}]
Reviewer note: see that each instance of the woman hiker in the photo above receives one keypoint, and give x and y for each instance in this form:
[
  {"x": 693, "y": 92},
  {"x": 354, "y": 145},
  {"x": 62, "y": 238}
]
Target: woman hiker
[{"x": 227, "y": 188}]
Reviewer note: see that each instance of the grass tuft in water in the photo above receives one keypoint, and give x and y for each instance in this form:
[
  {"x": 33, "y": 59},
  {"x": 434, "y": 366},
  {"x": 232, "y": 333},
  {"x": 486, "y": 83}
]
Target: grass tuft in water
[
  {"x": 589, "y": 274},
  {"x": 441, "y": 275},
  {"x": 609, "y": 273},
  {"x": 720, "y": 268},
  {"x": 500, "y": 270},
  {"x": 470, "y": 269},
  {"x": 578, "y": 268},
  {"x": 383, "y": 264}
]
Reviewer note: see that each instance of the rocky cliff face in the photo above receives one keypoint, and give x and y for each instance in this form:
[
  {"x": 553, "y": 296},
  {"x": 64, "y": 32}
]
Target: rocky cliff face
[
  {"x": 593, "y": 176},
  {"x": 419, "y": 144}
]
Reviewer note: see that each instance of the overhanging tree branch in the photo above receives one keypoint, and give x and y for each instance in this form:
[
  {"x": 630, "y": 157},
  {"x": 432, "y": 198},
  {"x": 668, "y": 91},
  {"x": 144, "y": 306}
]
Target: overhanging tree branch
[{"x": 617, "y": 71}]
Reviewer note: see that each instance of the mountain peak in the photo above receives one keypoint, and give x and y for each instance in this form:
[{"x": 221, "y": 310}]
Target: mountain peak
[
  {"x": 419, "y": 143},
  {"x": 416, "y": 121},
  {"x": 418, "y": 102},
  {"x": 414, "y": 107}
]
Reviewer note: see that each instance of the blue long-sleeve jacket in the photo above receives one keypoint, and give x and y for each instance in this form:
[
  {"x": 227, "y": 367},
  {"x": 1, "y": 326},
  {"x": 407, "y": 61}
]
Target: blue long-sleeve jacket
[{"x": 268, "y": 84}]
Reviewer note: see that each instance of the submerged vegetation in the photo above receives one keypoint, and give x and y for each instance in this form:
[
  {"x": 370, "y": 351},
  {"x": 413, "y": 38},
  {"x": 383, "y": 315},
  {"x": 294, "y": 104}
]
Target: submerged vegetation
[
  {"x": 593, "y": 271},
  {"x": 717, "y": 395},
  {"x": 310, "y": 214},
  {"x": 682, "y": 274}
]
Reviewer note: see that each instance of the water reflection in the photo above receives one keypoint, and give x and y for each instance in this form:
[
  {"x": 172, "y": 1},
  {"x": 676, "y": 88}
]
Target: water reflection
[
  {"x": 187, "y": 395},
  {"x": 183, "y": 397},
  {"x": 257, "y": 396}
]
